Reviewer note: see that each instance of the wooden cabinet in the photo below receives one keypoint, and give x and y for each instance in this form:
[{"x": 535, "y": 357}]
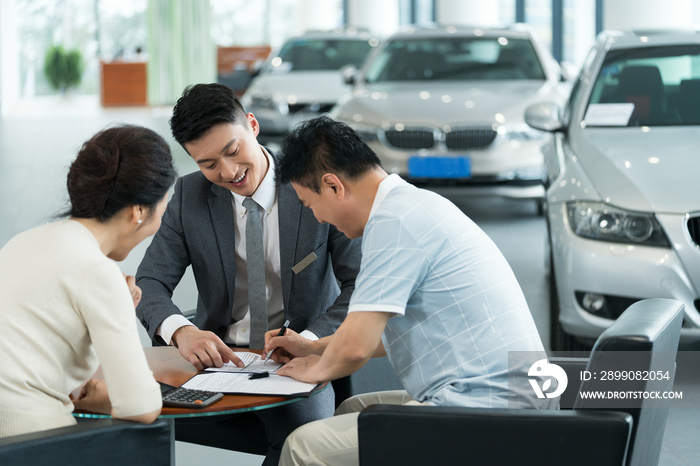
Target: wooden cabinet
[{"x": 123, "y": 83}]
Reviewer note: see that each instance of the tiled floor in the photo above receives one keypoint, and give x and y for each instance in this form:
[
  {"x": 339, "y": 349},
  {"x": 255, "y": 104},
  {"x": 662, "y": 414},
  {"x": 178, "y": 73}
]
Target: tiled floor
[{"x": 41, "y": 137}]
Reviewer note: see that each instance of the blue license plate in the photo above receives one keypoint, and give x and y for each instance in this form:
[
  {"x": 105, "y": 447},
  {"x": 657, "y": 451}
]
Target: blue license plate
[{"x": 439, "y": 167}]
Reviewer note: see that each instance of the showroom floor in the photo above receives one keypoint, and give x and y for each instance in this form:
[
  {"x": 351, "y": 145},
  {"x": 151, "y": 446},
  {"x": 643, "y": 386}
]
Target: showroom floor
[{"x": 40, "y": 138}]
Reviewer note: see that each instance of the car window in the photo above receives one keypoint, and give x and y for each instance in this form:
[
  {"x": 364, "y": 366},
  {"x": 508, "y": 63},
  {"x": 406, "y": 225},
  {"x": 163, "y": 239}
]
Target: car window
[
  {"x": 657, "y": 86},
  {"x": 456, "y": 58},
  {"x": 315, "y": 55}
]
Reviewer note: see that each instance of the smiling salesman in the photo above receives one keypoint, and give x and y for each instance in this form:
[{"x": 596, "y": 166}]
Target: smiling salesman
[{"x": 258, "y": 256}]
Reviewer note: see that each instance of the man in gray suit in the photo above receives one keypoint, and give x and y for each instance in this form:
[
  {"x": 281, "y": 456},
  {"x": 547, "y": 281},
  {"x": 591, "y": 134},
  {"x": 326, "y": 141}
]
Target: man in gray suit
[{"x": 231, "y": 210}]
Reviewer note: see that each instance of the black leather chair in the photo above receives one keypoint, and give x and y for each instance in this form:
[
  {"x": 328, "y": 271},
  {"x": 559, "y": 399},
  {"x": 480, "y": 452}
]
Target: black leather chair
[
  {"x": 605, "y": 435},
  {"x": 105, "y": 442}
]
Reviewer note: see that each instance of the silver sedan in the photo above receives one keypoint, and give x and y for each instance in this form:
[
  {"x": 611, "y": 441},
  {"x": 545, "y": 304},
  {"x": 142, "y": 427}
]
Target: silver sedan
[
  {"x": 443, "y": 107},
  {"x": 624, "y": 199}
]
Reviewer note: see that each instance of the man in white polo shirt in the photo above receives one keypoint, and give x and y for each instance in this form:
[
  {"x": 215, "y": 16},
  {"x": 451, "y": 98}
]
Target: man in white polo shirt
[{"x": 434, "y": 293}]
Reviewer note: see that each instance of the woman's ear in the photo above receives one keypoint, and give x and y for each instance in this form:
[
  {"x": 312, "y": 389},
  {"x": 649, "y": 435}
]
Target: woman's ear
[{"x": 137, "y": 214}]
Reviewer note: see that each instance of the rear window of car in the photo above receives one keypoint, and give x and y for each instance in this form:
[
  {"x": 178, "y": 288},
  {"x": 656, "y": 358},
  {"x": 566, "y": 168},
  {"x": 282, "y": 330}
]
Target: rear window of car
[
  {"x": 318, "y": 55},
  {"x": 456, "y": 58},
  {"x": 651, "y": 86}
]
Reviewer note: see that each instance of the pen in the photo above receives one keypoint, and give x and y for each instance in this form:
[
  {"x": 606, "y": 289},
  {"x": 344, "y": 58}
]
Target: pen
[
  {"x": 281, "y": 334},
  {"x": 258, "y": 375}
]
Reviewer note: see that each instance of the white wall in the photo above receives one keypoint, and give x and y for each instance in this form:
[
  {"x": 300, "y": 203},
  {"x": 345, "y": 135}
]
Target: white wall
[
  {"x": 380, "y": 17},
  {"x": 9, "y": 56},
  {"x": 468, "y": 12},
  {"x": 654, "y": 14},
  {"x": 315, "y": 15}
]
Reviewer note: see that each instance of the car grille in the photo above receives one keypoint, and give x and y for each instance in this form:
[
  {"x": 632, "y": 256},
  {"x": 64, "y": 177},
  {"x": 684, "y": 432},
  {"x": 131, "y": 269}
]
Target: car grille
[
  {"x": 410, "y": 139},
  {"x": 693, "y": 226},
  {"x": 469, "y": 138},
  {"x": 310, "y": 108}
]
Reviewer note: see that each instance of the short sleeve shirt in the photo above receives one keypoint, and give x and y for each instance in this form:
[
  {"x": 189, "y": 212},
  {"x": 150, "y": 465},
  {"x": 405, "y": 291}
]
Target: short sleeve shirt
[{"x": 457, "y": 304}]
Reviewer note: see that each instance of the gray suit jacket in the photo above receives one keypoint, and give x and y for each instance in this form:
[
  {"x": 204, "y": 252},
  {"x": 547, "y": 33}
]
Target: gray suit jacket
[{"x": 198, "y": 229}]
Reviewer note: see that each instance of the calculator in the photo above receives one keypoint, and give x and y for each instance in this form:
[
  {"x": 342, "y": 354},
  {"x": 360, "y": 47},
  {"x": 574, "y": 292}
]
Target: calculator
[{"x": 179, "y": 397}]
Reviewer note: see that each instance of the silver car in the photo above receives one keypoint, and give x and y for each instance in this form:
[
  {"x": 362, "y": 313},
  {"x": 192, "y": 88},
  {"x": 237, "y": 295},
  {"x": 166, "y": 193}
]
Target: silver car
[
  {"x": 443, "y": 107},
  {"x": 624, "y": 199},
  {"x": 303, "y": 79}
]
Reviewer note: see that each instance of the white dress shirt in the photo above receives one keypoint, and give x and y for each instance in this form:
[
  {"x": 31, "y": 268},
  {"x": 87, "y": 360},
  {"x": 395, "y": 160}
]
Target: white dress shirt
[{"x": 238, "y": 332}]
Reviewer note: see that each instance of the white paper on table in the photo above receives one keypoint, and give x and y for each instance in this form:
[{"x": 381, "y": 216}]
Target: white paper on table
[
  {"x": 253, "y": 363},
  {"x": 609, "y": 114},
  {"x": 239, "y": 383}
]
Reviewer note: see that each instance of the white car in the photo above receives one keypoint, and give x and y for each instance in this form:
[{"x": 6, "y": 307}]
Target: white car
[
  {"x": 623, "y": 203},
  {"x": 443, "y": 107},
  {"x": 303, "y": 79}
]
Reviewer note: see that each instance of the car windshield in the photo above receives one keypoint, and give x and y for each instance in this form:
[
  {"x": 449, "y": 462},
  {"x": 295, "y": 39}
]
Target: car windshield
[
  {"x": 317, "y": 55},
  {"x": 653, "y": 86},
  {"x": 456, "y": 58}
]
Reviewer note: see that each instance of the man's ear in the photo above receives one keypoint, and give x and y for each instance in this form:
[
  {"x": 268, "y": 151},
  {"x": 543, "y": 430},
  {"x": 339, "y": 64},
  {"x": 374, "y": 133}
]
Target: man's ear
[
  {"x": 254, "y": 125},
  {"x": 331, "y": 181}
]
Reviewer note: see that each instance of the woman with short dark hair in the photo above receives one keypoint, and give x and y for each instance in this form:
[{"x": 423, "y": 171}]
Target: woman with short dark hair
[{"x": 66, "y": 307}]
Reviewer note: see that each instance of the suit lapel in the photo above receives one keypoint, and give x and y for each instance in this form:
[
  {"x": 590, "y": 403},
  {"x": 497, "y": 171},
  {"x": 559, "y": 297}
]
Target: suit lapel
[
  {"x": 222, "y": 216},
  {"x": 289, "y": 210}
]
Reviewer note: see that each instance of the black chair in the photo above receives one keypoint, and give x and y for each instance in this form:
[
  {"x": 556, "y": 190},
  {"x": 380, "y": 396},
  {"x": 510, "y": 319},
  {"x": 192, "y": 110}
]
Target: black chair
[
  {"x": 105, "y": 442},
  {"x": 631, "y": 435}
]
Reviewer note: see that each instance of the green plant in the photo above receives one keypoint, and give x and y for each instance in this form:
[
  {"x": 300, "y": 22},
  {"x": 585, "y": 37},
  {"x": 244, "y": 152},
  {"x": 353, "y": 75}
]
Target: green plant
[{"x": 63, "y": 68}]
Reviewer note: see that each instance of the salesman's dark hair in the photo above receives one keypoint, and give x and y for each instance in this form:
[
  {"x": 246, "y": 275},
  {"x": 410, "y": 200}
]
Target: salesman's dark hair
[
  {"x": 119, "y": 167},
  {"x": 202, "y": 107},
  {"x": 319, "y": 146}
]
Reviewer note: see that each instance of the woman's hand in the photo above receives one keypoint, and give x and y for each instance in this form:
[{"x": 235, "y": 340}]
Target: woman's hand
[
  {"x": 133, "y": 289},
  {"x": 94, "y": 398}
]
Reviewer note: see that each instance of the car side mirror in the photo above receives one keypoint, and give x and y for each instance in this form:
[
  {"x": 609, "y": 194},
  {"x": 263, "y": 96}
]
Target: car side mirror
[
  {"x": 348, "y": 72},
  {"x": 544, "y": 116}
]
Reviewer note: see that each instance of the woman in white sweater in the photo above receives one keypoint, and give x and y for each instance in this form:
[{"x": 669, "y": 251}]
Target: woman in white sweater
[{"x": 66, "y": 308}]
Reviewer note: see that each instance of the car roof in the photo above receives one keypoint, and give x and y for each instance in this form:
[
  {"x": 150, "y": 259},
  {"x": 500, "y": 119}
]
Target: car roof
[
  {"x": 339, "y": 33},
  {"x": 650, "y": 37},
  {"x": 516, "y": 31}
]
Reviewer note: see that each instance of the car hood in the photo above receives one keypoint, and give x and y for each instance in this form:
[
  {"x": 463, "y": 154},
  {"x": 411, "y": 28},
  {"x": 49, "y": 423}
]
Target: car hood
[
  {"x": 444, "y": 103},
  {"x": 306, "y": 86},
  {"x": 644, "y": 169}
]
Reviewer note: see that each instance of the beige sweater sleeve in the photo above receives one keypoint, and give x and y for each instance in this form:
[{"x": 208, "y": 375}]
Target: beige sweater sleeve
[{"x": 108, "y": 311}]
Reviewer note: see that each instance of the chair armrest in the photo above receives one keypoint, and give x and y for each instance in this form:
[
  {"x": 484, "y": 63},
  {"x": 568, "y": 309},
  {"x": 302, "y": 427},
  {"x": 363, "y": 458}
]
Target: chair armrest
[
  {"x": 105, "y": 442},
  {"x": 400, "y": 435},
  {"x": 573, "y": 368}
]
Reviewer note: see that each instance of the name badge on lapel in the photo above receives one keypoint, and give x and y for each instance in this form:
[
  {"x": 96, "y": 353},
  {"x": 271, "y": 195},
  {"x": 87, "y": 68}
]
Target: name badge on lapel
[{"x": 304, "y": 263}]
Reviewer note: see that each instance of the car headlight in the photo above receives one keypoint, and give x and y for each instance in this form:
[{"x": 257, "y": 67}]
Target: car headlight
[
  {"x": 263, "y": 102},
  {"x": 599, "y": 221},
  {"x": 267, "y": 102}
]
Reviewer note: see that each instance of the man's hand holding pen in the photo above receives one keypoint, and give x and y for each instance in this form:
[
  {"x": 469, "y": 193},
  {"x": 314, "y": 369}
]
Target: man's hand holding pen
[{"x": 287, "y": 347}]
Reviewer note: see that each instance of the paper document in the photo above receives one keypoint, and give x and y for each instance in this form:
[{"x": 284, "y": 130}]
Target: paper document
[
  {"x": 252, "y": 362},
  {"x": 240, "y": 384},
  {"x": 609, "y": 114}
]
